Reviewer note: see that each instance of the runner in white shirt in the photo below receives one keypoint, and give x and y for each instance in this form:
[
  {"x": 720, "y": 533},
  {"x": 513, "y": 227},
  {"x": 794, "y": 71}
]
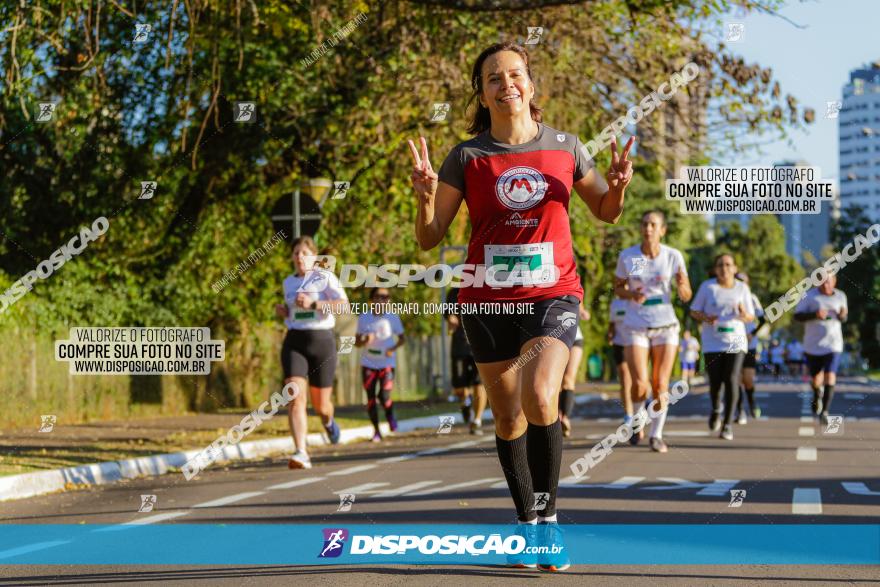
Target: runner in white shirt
[
  {"x": 750, "y": 364},
  {"x": 723, "y": 306},
  {"x": 644, "y": 277},
  {"x": 311, "y": 295},
  {"x": 823, "y": 310},
  {"x": 688, "y": 355},
  {"x": 617, "y": 338},
  {"x": 375, "y": 332}
]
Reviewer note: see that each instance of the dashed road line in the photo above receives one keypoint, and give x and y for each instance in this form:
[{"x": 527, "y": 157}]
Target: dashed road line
[
  {"x": 806, "y": 453},
  {"x": 229, "y": 499},
  {"x": 806, "y": 501}
]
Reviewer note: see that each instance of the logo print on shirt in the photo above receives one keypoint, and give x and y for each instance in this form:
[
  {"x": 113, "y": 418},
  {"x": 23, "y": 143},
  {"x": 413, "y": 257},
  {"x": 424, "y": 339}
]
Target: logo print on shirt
[{"x": 521, "y": 188}]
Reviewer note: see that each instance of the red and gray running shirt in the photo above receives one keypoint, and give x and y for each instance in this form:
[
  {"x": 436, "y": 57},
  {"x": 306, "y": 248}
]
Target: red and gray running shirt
[{"x": 517, "y": 198}]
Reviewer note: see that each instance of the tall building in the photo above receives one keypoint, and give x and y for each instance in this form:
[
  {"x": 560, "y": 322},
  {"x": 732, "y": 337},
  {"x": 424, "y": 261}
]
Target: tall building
[{"x": 859, "y": 128}]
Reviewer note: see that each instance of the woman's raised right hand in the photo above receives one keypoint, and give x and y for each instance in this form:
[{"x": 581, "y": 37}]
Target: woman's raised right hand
[{"x": 424, "y": 179}]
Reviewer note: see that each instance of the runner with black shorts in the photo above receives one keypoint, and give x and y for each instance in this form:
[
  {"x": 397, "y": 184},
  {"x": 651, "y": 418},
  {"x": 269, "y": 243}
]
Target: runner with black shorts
[
  {"x": 750, "y": 365},
  {"x": 311, "y": 295},
  {"x": 516, "y": 176},
  {"x": 466, "y": 383},
  {"x": 375, "y": 332},
  {"x": 723, "y": 307},
  {"x": 617, "y": 338},
  {"x": 566, "y": 395},
  {"x": 644, "y": 277},
  {"x": 823, "y": 310}
]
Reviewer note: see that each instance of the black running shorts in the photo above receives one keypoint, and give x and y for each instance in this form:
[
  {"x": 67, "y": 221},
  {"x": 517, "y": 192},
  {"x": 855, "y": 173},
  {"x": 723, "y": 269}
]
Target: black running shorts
[
  {"x": 310, "y": 354},
  {"x": 499, "y": 337},
  {"x": 464, "y": 372}
]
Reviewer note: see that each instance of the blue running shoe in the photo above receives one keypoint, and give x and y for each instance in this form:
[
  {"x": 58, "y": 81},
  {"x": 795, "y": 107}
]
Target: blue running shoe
[
  {"x": 333, "y": 431},
  {"x": 527, "y": 559},
  {"x": 550, "y": 535}
]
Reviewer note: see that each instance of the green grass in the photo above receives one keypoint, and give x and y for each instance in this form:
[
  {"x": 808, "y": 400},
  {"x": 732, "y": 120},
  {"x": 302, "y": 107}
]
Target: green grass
[{"x": 16, "y": 459}]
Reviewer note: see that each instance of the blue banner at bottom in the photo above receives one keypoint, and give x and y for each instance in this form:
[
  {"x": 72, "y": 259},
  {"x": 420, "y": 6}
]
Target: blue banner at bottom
[{"x": 438, "y": 544}]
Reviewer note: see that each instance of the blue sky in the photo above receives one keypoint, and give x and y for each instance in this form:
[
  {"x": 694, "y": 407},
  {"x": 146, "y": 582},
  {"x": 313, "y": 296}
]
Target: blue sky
[{"x": 812, "y": 64}]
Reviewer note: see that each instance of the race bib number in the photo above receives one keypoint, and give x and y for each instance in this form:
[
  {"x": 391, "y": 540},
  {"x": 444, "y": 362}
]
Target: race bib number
[
  {"x": 522, "y": 265},
  {"x": 304, "y": 315}
]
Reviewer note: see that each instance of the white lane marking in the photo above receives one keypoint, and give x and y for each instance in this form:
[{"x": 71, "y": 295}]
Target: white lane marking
[
  {"x": 806, "y": 431},
  {"x": 406, "y": 488},
  {"x": 762, "y": 395},
  {"x": 622, "y": 483},
  {"x": 570, "y": 481},
  {"x": 229, "y": 499},
  {"x": 363, "y": 488},
  {"x": 806, "y": 453},
  {"x": 31, "y": 548},
  {"x": 854, "y": 395},
  {"x": 296, "y": 483},
  {"x": 806, "y": 419},
  {"x": 715, "y": 487},
  {"x": 806, "y": 501},
  {"x": 454, "y": 486},
  {"x": 687, "y": 433},
  {"x": 351, "y": 470},
  {"x": 858, "y": 488},
  {"x": 398, "y": 459},
  {"x": 142, "y": 521},
  {"x": 603, "y": 420},
  {"x": 441, "y": 449}
]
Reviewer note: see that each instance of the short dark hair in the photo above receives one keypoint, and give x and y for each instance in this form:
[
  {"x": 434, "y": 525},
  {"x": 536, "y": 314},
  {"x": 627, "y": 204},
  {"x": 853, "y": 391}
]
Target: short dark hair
[
  {"x": 659, "y": 213},
  {"x": 480, "y": 119}
]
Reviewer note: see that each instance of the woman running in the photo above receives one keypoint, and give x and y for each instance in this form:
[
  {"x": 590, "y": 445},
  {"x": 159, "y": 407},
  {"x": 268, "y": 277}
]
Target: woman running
[
  {"x": 644, "y": 277},
  {"x": 750, "y": 364},
  {"x": 823, "y": 310},
  {"x": 375, "y": 332},
  {"x": 466, "y": 383},
  {"x": 311, "y": 295},
  {"x": 688, "y": 355},
  {"x": 617, "y": 338},
  {"x": 566, "y": 395},
  {"x": 723, "y": 306},
  {"x": 516, "y": 176}
]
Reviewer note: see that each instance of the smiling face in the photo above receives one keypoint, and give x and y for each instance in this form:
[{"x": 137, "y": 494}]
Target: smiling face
[
  {"x": 506, "y": 87},
  {"x": 725, "y": 268}
]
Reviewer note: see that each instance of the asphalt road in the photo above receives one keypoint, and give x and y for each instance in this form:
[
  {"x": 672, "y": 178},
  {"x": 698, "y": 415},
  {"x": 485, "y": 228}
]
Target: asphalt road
[{"x": 792, "y": 468}]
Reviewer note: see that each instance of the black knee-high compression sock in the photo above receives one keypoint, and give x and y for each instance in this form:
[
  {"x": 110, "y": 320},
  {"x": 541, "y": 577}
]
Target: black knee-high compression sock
[
  {"x": 515, "y": 463},
  {"x": 566, "y": 401},
  {"x": 826, "y": 399},
  {"x": 817, "y": 396},
  {"x": 545, "y": 459},
  {"x": 373, "y": 411}
]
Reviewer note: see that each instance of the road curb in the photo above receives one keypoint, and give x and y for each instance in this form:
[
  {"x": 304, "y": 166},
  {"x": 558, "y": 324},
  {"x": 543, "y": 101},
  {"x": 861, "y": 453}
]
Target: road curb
[{"x": 42, "y": 482}]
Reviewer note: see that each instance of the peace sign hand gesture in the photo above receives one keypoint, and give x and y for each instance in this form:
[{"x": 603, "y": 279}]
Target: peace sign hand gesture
[
  {"x": 424, "y": 179},
  {"x": 621, "y": 171}
]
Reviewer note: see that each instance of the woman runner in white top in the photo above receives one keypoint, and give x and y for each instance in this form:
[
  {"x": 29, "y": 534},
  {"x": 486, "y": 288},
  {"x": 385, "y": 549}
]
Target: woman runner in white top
[
  {"x": 308, "y": 354},
  {"x": 644, "y": 277},
  {"x": 723, "y": 306}
]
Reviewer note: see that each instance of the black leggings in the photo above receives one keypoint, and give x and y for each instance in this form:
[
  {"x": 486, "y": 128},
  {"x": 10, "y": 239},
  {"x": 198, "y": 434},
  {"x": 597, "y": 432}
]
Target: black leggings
[{"x": 724, "y": 369}]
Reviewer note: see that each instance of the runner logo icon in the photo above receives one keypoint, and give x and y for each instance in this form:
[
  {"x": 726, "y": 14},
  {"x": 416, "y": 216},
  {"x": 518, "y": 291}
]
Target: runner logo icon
[
  {"x": 541, "y": 500},
  {"x": 334, "y": 540},
  {"x": 567, "y": 319},
  {"x": 521, "y": 188},
  {"x": 737, "y": 497}
]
